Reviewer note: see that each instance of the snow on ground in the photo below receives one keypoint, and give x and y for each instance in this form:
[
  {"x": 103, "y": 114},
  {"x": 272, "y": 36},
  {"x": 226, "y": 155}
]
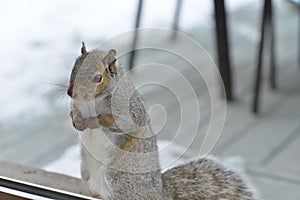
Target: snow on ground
[
  {"x": 68, "y": 163},
  {"x": 40, "y": 40}
]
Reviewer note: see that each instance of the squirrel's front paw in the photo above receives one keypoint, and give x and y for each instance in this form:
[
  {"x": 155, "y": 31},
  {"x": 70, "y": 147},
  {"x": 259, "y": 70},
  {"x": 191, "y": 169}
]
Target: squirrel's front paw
[{"x": 79, "y": 122}]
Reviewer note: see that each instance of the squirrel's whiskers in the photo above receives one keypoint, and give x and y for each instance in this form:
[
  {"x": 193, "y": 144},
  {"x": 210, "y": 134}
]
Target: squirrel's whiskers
[{"x": 57, "y": 90}]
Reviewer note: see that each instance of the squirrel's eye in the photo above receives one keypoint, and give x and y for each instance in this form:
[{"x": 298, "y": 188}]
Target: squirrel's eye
[{"x": 97, "y": 78}]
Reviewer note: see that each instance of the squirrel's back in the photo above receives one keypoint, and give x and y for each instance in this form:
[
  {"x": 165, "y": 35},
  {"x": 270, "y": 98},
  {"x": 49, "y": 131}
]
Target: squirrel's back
[{"x": 204, "y": 179}]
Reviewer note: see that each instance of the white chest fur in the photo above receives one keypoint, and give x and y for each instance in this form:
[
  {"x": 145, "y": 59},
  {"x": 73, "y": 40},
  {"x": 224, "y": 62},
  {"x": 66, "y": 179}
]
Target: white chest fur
[{"x": 94, "y": 161}]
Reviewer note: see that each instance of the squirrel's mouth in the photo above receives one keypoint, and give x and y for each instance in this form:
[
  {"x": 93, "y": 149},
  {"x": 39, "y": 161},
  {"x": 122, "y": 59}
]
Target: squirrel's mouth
[
  {"x": 98, "y": 95},
  {"x": 80, "y": 98}
]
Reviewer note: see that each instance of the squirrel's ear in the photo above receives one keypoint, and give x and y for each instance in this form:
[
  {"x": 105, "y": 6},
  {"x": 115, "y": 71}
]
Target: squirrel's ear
[
  {"x": 83, "y": 49},
  {"x": 112, "y": 67},
  {"x": 110, "y": 57},
  {"x": 110, "y": 60}
]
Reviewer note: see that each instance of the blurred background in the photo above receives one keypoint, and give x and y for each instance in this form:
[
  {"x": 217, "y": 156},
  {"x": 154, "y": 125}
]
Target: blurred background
[{"x": 40, "y": 41}]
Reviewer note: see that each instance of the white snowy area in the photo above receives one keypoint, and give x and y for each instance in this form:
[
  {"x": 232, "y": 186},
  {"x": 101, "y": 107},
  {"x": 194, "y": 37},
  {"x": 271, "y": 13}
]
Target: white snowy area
[{"x": 41, "y": 39}]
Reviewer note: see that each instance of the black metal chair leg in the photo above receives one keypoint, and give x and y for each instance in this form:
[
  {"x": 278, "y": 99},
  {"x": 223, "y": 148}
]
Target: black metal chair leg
[
  {"x": 176, "y": 17},
  {"x": 223, "y": 47},
  {"x": 135, "y": 38},
  {"x": 273, "y": 84},
  {"x": 299, "y": 36},
  {"x": 257, "y": 86},
  {"x": 272, "y": 46}
]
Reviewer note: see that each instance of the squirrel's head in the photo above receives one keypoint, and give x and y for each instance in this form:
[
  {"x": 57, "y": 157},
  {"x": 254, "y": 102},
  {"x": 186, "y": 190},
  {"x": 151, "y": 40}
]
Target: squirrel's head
[{"x": 94, "y": 74}]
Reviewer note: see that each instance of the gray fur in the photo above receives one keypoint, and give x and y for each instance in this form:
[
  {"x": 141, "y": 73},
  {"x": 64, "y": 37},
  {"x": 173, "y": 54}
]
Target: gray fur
[
  {"x": 205, "y": 178},
  {"x": 121, "y": 161}
]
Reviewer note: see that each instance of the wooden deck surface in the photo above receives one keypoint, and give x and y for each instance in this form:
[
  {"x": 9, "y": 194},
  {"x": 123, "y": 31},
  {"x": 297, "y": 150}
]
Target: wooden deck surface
[{"x": 269, "y": 142}]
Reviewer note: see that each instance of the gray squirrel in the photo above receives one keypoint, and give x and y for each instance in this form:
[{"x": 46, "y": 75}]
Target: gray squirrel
[{"x": 119, "y": 151}]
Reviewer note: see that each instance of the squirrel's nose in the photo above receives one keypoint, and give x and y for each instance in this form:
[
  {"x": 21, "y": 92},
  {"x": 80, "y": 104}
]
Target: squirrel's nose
[{"x": 69, "y": 92}]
